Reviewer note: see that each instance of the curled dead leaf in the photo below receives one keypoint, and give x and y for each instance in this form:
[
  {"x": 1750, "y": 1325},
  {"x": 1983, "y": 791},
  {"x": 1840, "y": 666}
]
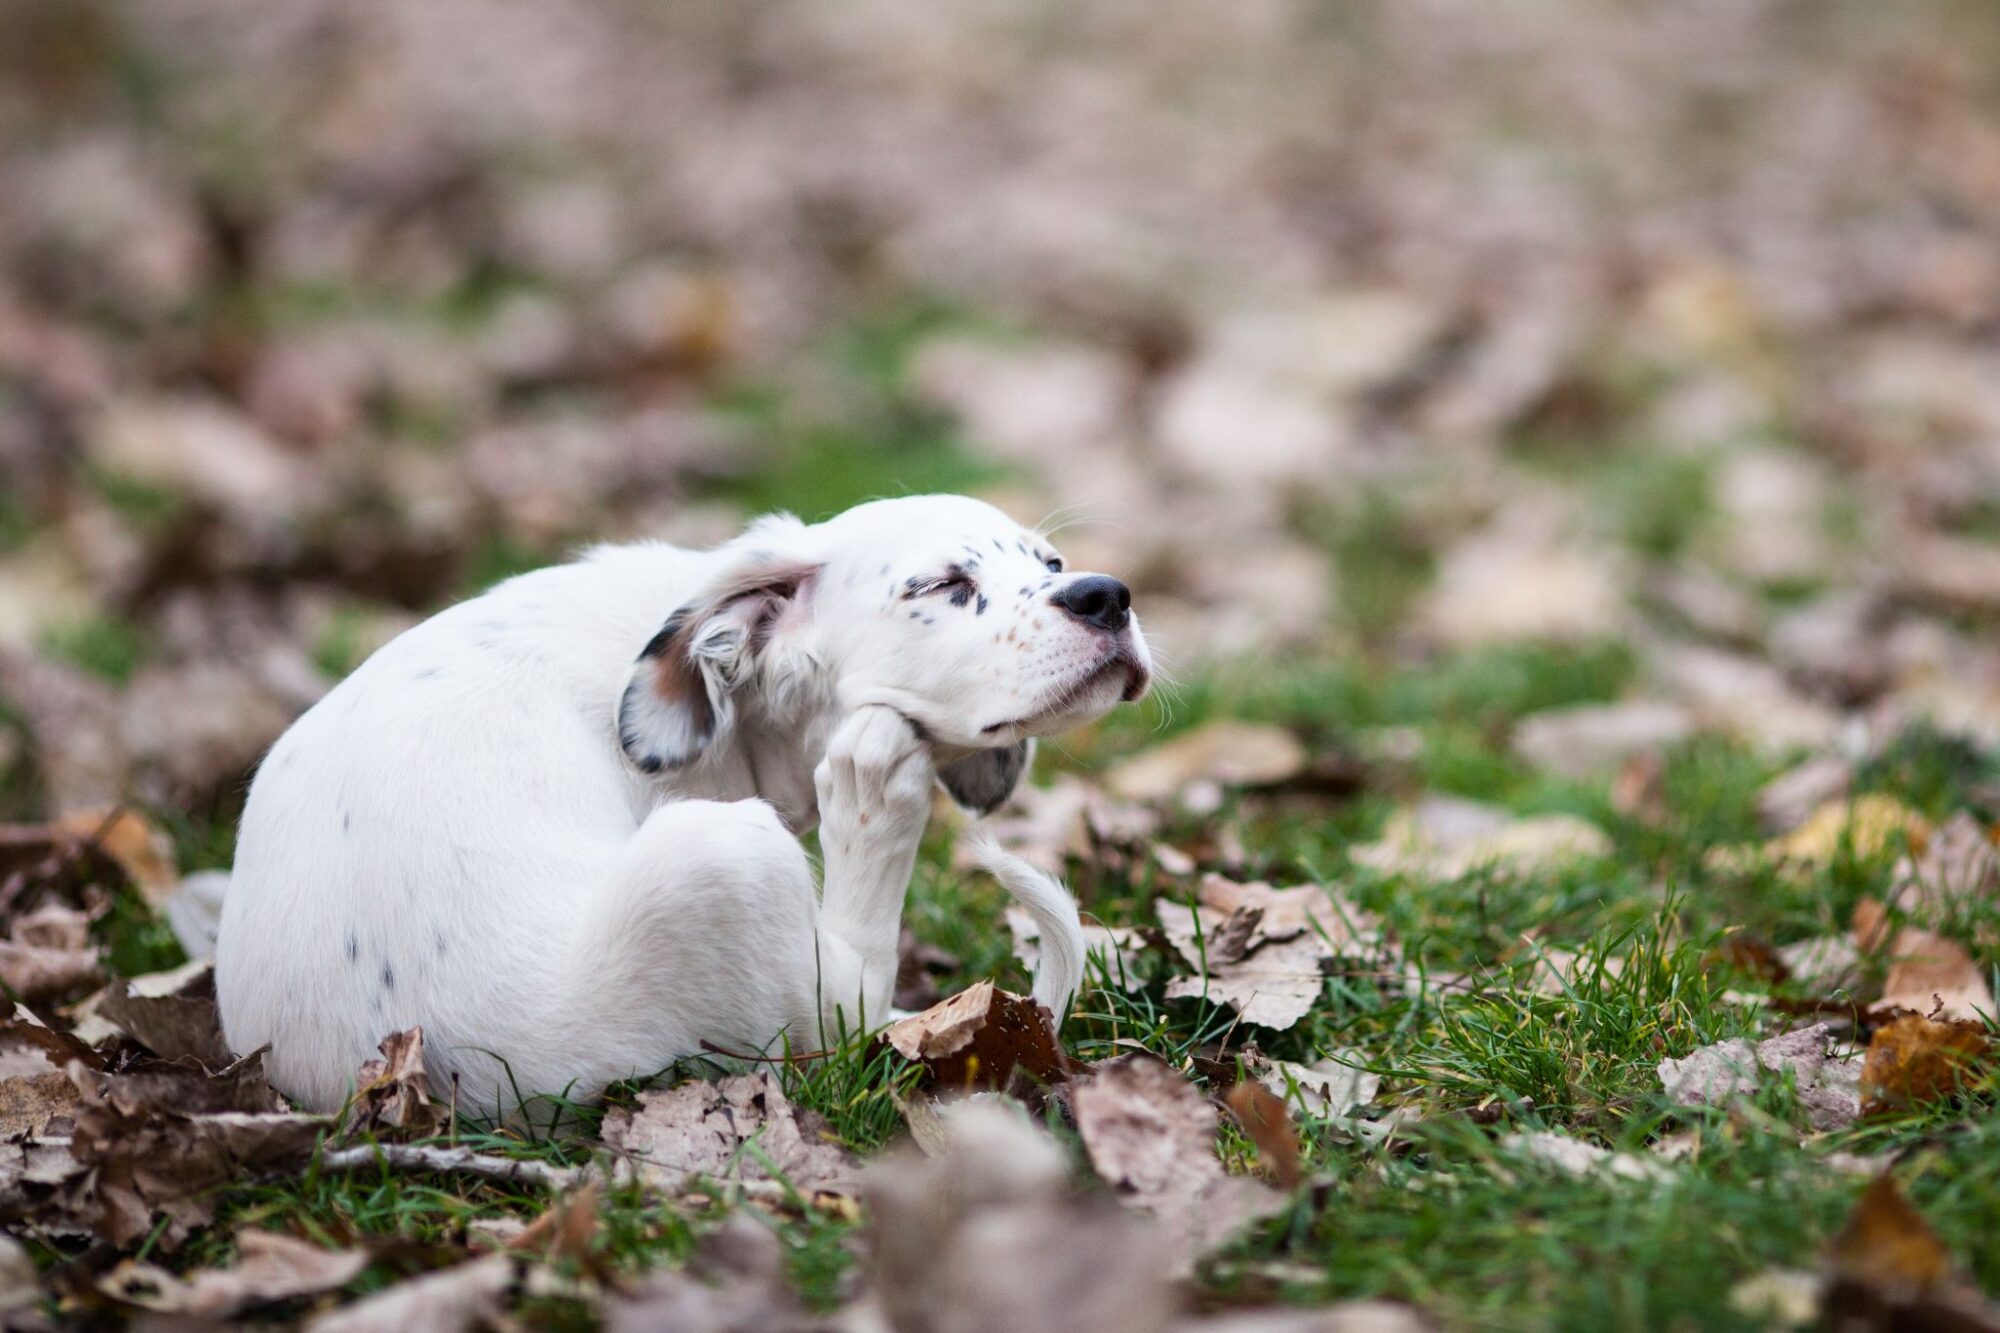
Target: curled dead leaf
[
  {"x": 1913, "y": 1059},
  {"x": 1267, "y": 1121},
  {"x": 269, "y": 1267},
  {"x": 741, "y": 1128},
  {"x": 1232, "y": 754},
  {"x": 1150, "y": 1135},
  {"x": 392, "y": 1097},
  {"x": 981, "y": 1037},
  {"x": 1264, "y": 951}
]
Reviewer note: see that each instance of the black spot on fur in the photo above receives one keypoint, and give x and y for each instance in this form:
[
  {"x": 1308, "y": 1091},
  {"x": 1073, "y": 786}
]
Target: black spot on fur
[
  {"x": 980, "y": 609},
  {"x": 916, "y": 615},
  {"x": 427, "y": 673},
  {"x": 929, "y": 620},
  {"x": 999, "y": 546},
  {"x": 353, "y": 947},
  {"x": 652, "y": 763},
  {"x": 437, "y": 938},
  {"x": 388, "y": 977},
  {"x": 961, "y": 594},
  {"x": 657, "y": 645}
]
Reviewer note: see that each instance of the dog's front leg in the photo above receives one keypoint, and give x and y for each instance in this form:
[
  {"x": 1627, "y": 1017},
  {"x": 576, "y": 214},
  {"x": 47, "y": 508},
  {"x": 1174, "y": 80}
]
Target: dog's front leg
[{"x": 874, "y": 798}]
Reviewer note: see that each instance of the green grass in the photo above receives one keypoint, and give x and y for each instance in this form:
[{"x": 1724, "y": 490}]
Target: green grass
[
  {"x": 1443, "y": 1213},
  {"x": 107, "y": 647}
]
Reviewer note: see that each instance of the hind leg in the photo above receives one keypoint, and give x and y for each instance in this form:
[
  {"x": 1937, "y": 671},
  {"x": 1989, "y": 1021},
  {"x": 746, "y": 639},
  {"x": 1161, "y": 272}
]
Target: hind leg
[
  {"x": 704, "y": 934},
  {"x": 710, "y": 930}
]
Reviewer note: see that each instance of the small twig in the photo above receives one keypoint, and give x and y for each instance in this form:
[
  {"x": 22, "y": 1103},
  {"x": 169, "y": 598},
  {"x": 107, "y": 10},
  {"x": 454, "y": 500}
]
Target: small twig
[
  {"x": 728, "y": 1054},
  {"x": 454, "y": 1161}
]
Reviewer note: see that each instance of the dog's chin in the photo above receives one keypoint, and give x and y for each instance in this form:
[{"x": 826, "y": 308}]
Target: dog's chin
[{"x": 1118, "y": 679}]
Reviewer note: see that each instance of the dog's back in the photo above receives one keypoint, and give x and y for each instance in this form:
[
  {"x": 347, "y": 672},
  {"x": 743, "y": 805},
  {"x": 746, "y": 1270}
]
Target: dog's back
[{"x": 407, "y": 852}]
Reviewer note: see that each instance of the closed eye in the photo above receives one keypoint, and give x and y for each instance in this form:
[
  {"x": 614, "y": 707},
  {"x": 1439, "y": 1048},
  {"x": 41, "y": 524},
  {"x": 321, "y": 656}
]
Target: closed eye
[
  {"x": 1054, "y": 563},
  {"x": 954, "y": 582}
]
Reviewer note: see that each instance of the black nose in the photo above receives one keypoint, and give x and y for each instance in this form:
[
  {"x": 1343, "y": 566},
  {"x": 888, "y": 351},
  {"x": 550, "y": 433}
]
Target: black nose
[{"x": 1097, "y": 599}]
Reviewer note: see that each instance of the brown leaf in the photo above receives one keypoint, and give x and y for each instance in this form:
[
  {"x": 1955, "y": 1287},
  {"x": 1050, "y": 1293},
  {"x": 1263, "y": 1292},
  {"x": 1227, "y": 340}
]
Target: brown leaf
[
  {"x": 1267, "y": 1121},
  {"x": 1264, "y": 949},
  {"x": 157, "y": 1143},
  {"x": 1150, "y": 1134},
  {"x": 172, "y": 1014},
  {"x": 735, "y": 1280},
  {"x": 981, "y": 1038},
  {"x": 956, "y": 1236},
  {"x": 37, "y": 1096},
  {"x": 269, "y": 1267},
  {"x": 566, "y": 1230},
  {"x": 1934, "y": 975},
  {"x": 144, "y": 853},
  {"x": 455, "y": 1300},
  {"x": 1233, "y": 754},
  {"x": 1867, "y": 826},
  {"x": 741, "y": 1128},
  {"x": 1960, "y": 865},
  {"x": 1716, "y": 1075},
  {"x": 48, "y": 954},
  {"x": 1444, "y": 838},
  {"x": 1887, "y": 1246},
  {"x": 1914, "y": 1059},
  {"x": 392, "y": 1097}
]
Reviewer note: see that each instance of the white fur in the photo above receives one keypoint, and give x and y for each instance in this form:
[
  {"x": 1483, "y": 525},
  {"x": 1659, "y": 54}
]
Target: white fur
[{"x": 458, "y": 836}]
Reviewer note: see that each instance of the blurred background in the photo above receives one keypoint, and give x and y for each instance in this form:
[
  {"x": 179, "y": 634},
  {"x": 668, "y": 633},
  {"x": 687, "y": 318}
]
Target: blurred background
[{"x": 1354, "y": 335}]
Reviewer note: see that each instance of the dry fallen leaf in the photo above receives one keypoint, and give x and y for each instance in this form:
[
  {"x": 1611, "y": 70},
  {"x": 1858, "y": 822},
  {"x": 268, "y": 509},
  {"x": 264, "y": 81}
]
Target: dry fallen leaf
[
  {"x": 1150, "y": 1134},
  {"x": 1444, "y": 838},
  {"x": 453, "y": 1300},
  {"x": 155, "y": 1144},
  {"x": 172, "y": 1014},
  {"x": 1790, "y": 799},
  {"x": 143, "y": 852},
  {"x": 1588, "y": 739},
  {"x": 1574, "y": 1157},
  {"x": 1927, "y": 972},
  {"x": 269, "y": 1267},
  {"x": 1888, "y": 1270},
  {"x": 735, "y": 1280},
  {"x": 1326, "y": 1087},
  {"x": 1913, "y": 1059},
  {"x": 982, "y": 1037},
  {"x": 1867, "y": 826},
  {"x": 1887, "y": 1246},
  {"x": 741, "y": 1128},
  {"x": 37, "y": 1096},
  {"x": 49, "y": 954},
  {"x": 1267, "y": 1121},
  {"x": 1827, "y": 1087},
  {"x": 1960, "y": 865},
  {"x": 989, "y": 1233},
  {"x": 392, "y": 1097},
  {"x": 1261, "y": 950},
  {"x": 1232, "y": 754}
]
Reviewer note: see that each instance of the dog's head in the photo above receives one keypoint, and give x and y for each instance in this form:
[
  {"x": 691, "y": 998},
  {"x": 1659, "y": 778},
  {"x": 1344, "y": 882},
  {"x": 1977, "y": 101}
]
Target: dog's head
[{"x": 937, "y": 606}]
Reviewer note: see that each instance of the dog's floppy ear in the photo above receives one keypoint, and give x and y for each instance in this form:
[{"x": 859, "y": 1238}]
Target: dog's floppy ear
[
  {"x": 679, "y": 697},
  {"x": 984, "y": 779}
]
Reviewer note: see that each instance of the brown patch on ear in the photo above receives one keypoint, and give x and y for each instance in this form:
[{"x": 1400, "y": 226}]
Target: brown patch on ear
[{"x": 678, "y": 697}]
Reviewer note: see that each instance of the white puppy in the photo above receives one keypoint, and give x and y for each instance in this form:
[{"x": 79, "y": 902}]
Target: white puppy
[{"x": 562, "y": 835}]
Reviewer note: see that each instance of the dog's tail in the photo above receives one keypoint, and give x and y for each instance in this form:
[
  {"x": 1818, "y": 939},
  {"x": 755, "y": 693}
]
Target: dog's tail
[
  {"x": 194, "y": 911},
  {"x": 1060, "y": 970}
]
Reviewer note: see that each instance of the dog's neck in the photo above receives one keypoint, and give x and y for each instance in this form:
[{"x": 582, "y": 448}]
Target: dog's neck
[{"x": 782, "y": 739}]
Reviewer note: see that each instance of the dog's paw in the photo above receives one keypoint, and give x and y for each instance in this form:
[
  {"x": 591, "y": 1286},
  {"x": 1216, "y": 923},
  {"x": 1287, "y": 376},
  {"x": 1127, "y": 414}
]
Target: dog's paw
[{"x": 876, "y": 777}]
